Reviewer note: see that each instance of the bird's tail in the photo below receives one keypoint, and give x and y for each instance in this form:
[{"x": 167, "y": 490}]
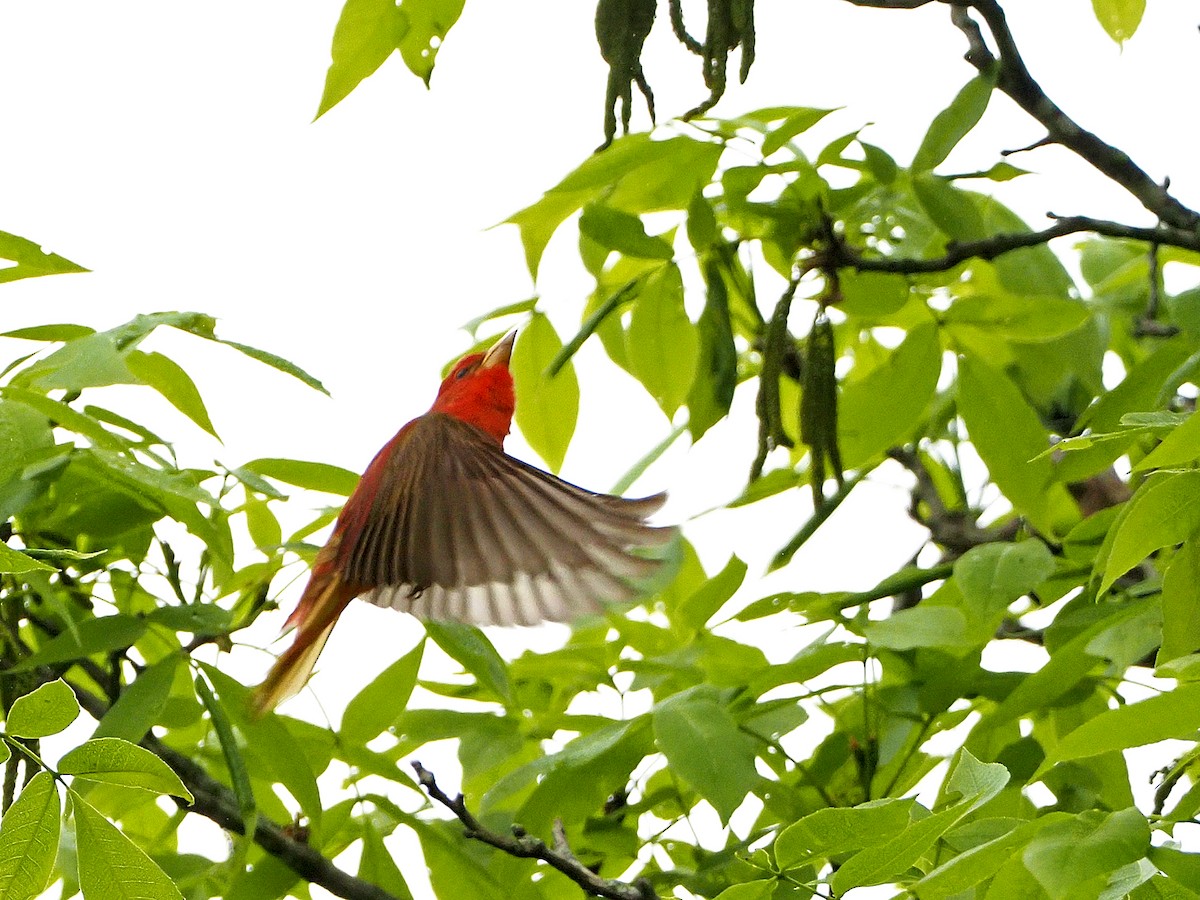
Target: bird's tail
[{"x": 314, "y": 619}]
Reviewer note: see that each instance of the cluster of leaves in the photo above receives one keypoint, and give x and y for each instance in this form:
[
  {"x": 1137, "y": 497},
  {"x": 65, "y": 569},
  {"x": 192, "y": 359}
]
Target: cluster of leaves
[{"x": 898, "y": 745}]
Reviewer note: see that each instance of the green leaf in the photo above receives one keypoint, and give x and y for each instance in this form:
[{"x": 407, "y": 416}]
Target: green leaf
[
  {"x": 1181, "y": 866},
  {"x": 994, "y": 575},
  {"x": 111, "y": 866},
  {"x": 14, "y": 562},
  {"x": 884, "y": 408},
  {"x": 882, "y": 863},
  {"x": 165, "y": 376},
  {"x": 623, "y": 232},
  {"x": 47, "y": 710},
  {"x": 687, "y": 726},
  {"x": 1008, "y": 436},
  {"x": 1174, "y": 714},
  {"x": 953, "y": 123},
  {"x": 91, "y": 636},
  {"x": 278, "y": 363},
  {"x": 1119, "y": 18},
  {"x": 1017, "y": 317},
  {"x": 712, "y": 390},
  {"x": 799, "y": 121},
  {"x": 116, "y": 761},
  {"x": 663, "y": 344},
  {"x": 1179, "y": 448},
  {"x": 1163, "y": 512},
  {"x": 61, "y": 332},
  {"x": 1065, "y": 854},
  {"x": 980, "y": 862},
  {"x": 952, "y": 210},
  {"x": 140, "y": 704},
  {"x": 872, "y": 295},
  {"x": 549, "y": 405},
  {"x": 841, "y": 830},
  {"x": 921, "y": 626},
  {"x": 268, "y": 739},
  {"x": 312, "y": 476},
  {"x": 1181, "y": 604},
  {"x": 366, "y": 33},
  {"x": 973, "y": 781},
  {"x": 383, "y": 701},
  {"x": 377, "y": 865},
  {"x": 635, "y": 174},
  {"x": 428, "y": 22},
  {"x": 239, "y": 775},
  {"x": 31, "y": 260},
  {"x": 92, "y": 361},
  {"x": 704, "y": 603},
  {"x": 508, "y": 309},
  {"x": 470, "y": 647},
  {"x": 29, "y": 840}
]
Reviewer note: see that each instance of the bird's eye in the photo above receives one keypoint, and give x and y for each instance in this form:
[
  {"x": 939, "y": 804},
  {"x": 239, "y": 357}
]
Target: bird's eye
[{"x": 462, "y": 373}]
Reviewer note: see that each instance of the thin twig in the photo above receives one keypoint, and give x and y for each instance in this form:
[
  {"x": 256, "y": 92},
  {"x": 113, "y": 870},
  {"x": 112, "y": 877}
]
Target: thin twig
[{"x": 524, "y": 846}]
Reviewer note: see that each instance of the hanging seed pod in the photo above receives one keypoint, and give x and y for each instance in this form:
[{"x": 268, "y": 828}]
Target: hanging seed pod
[
  {"x": 818, "y": 406},
  {"x": 621, "y": 30}
]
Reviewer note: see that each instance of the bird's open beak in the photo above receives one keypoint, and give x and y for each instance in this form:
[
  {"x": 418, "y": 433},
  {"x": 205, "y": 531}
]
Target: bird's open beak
[{"x": 500, "y": 352}]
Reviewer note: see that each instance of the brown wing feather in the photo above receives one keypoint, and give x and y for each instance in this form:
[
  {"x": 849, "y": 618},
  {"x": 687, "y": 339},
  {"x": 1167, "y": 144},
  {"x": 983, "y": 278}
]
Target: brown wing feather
[{"x": 461, "y": 530}]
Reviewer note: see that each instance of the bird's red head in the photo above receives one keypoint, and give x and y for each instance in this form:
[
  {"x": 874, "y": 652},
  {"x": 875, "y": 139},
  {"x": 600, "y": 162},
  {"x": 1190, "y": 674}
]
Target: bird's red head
[{"x": 479, "y": 390}]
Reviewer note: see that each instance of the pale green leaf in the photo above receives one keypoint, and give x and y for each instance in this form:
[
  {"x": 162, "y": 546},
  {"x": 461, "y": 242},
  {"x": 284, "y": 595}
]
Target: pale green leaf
[
  {"x": 111, "y": 866},
  {"x": 470, "y": 647},
  {"x": 623, "y": 232},
  {"x": 1119, "y": 18},
  {"x": 312, "y": 476},
  {"x": 1174, "y": 714},
  {"x": 366, "y": 33},
  {"x": 1179, "y": 448},
  {"x": 1008, "y": 436},
  {"x": 841, "y": 830},
  {"x": 953, "y": 123},
  {"x": 687, "y": 726},
  {"x": 91, "y": 636},
  {"x": 30, "y": 260},
  {"x": 1181, "y": 604},
  {"x": 169, "y": 379},
  {"x": 384, "y": 700},
  {"x": 994, "y": 575},
  {"x": 1067, "y": 853},
  {"x": 47, "y": 710},
  {"x": 14, "y": 562},
  {"x": 547, "y": 405},
  {"x": 141, "y": 703},
  {"x": 921, "y": 626},
  {"x": 427, "y": 22},
  {"x": 1165, "y": 511},
  {"x": 885, "y": 407},
  {"x": 663, "y": 344},
  {"x": 29, "y": 839},
  {"x": 117, "y": 761}
]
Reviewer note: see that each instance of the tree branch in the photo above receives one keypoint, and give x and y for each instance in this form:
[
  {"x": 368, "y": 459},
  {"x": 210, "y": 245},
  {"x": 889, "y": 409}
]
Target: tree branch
[
  {"x": 1018, "y": 83},
  {"x": 523, "y": 846},
  {"x": 215, "y": 801},
  {"x": 842, "y": 254}
]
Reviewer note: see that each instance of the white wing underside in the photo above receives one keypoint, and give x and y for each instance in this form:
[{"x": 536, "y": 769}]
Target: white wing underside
[{"x": 462, "y": 531}]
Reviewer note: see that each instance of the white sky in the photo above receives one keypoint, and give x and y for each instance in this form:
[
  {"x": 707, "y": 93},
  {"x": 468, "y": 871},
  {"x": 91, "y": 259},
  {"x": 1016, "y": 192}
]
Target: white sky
[{"x": 169, "y": 148}]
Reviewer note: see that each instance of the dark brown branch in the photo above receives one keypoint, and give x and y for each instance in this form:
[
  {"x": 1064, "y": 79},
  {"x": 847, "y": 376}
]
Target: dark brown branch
[
  {"x": 523, "y": 846},
  {"x": 215, "y": 801},
  {"x": 1018, "y": 83},
  {"x": 842, "y": 254}
]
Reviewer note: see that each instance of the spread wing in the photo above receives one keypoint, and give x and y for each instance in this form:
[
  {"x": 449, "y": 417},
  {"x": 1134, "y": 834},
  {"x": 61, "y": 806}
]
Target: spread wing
[{"x": 461, "y": 530}]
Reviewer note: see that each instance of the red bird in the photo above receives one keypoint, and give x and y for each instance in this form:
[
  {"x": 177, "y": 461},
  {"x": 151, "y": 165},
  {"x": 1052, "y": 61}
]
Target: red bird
[{"x": 445, "y": 525}]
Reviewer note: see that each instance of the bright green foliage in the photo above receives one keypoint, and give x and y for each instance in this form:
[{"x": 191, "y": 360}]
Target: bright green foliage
[{"x": 1040, "y": 425}]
